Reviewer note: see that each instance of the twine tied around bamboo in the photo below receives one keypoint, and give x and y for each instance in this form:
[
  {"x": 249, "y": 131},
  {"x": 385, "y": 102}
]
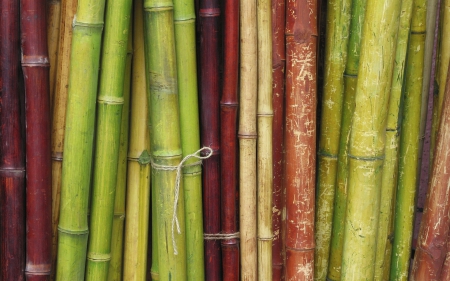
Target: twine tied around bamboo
[{"x": 177, "y": 184}]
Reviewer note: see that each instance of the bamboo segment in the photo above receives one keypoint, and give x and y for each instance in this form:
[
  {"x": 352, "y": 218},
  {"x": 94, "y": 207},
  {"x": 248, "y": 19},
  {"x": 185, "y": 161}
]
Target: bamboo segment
[
  {"x": 12, "y": 160},
  {"x": 35, "y": 67},
  {"x": 247, "y": 135},
  {"x": 228, "y": 138},
  {"x": 117, "y": 239},
  {"x": 300, "y": 138},
  {"x": 165, "y": 137},
  {"x": 409, "y": 148},
  {"x": 138, "y": 174},
  {"x": 367, "y": 138},
  {"x": 78, "y": 140},
  {"x": 350, "y": 79},
  {"x": 278, "y": 67},
  {"x": 434, "y": 229},
  {"x": 184, "y": 19},
  {"x": 338, "y": 22},
  {"x": 53, "y": 30},
  {"x": 445, "y": 272},
  {"x": 390, "y": 165}
]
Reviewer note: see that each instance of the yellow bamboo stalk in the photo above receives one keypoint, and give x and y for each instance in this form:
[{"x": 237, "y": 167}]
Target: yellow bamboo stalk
[{"x": 53, "y": 23}]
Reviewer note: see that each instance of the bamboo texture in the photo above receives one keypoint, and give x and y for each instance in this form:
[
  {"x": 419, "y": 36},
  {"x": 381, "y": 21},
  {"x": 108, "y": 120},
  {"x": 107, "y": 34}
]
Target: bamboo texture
[
  {"x": 247, "y": 135},
  {"x": 445, "y": 272},
  {"x": 139, "y": 171},
  {"x": 434, "y": 229},
  {"x": 228, "y": 138},
  {"x": 35, "y": 67},
  {"x": 12, "y": 156},
  {"x": 78, "y": 140},
  {"x": 337, "y": 35},
  {"x": 300, "y": 137},
  {"x": 184, "y": 19},
  {"x": 53, "y": 27}
]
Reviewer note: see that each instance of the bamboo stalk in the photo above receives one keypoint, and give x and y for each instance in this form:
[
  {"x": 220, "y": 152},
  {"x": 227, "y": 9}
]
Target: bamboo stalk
[
  {"x": 228, "y": 137},
  {"x": 338, "y": 23},
  {"x": 445, "y": 272},
  {"x": 12, "y": 160},
  {"x": 247, "y": 135},
  {"x": 139, "y": 170},
  {"x": 434, "y": 229},
  {"x": 278, "y": 68},
  {"x": 53, "y": 30},
  {"x": 300, "y": 137},
  {"x": 161, "y": 75},
  {"x": 184, "y": 19},
  {"x": 78, "y": 140},
  {"x": 35, "y": 67}
]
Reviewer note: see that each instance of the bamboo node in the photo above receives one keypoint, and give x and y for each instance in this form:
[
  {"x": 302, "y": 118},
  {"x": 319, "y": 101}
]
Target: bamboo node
[
  {"x": 73, "y": 232},
  {"x": 364, "y": 158},
  {"x": 211, "y": 12},
  {"x": 178, "y": 168},
  {"x": 98, "y": 257},
  {"x": 221, "y": 236},
  {"x": 110, "y": 100},
  {"x": 86, "y": 24}
]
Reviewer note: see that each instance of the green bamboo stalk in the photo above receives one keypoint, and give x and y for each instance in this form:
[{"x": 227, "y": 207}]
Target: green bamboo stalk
[
  {"x": 138, "y": 175},
  {"x": 115, "y": 265},
  {"x": 159, "y": 39},
  {"x": 367, "y": 138},
  {"x": 184, "y": 19},
  {"x": 78, "y": 140},
  {"x": 390, "y": 166},
  {"x": 350, "y": 78},
  {"x": 337, "y": 35}
]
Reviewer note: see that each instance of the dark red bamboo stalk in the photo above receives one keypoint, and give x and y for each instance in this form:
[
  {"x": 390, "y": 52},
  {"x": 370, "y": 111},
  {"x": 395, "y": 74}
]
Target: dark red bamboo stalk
[
  {"x": 228, "y": 136},
  {"x": 209, "y": 19},
  {"x": 278, "y": 65},
  {"x": 35, "y": 66},
  {"x": 300, "y": 137},
  {"x": 12, "y": 160}
]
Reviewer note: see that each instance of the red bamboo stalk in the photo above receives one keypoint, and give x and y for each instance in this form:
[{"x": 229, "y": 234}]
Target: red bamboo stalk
[
  {"x": 300, "y": 137},
  {"x": 35, "y": 66},
  {"x": 228, "y": 136},
  {"x": 445, "y": 273},
  {"x": 434, "y": 229},
  {"x": 209, "y": 18},
  {"x": 278, "y": 65},
  {"x": 12, "y": 161}
]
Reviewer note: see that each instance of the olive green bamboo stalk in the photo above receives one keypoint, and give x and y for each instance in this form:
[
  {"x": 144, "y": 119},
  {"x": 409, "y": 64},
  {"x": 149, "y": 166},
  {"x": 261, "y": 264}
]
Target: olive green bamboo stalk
[
  {"x": 115, "y": 265},
  {"x": 78, "y": 140},
  {"x": 184, "y": 16},
  {"x": 264, "y": 139},
  {"x": 53, "y": 23},
  {"x": 338, "y": 24},
  {"x": 138, "y": 174},
  {"x": 350, "y": 78},
  {"x": 367, "y": 138},
  {"x": 161, "y": 75},
  {"x": 390, "y": 166}
]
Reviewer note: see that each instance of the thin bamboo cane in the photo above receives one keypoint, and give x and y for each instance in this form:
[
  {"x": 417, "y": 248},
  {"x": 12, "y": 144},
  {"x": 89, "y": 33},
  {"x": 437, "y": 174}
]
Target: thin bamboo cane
[
  {"x": 409, "y": 147},
  {"x": 434, "y": 229},
  {"x": 278, "y": 67},
  {"x": 445, "y": 272},
  {"x": 35, "y": 67},
  {"x": 78, "y": 140},
  {"x": 367, "y": 138},
  {"x": 139, "y": 170},
  {"x": 228, "y": 138},
  {"x": 161, "y": 75},
  {"x": 53, "y": 30},
  {"x": 350, "y": 79},
  {"x": 300, "y": 137},
  {"x": 109, "y": 118},
  {"x": 184, "y": 19},
  {"x": 338, "y": 23},
  {"x": 247, "y": 135},
  {"x": 12, "y": 160}
]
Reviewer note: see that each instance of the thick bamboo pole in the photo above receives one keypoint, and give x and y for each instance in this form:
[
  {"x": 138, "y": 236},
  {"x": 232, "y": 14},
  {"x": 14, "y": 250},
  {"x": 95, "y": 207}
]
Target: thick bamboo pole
[
  {"x": 78, "y": 140},
  {"x": 300, "y": 137},
  {"x": 12, "y": 154},
  {"x": 35, "y": 67},
  {"x": 445, "y": 272},
  {"x": 367, "y": 138},
  {"x": 53, "y": 29},
  {"x": 228, "y": 139},
  {"x": 337, "y": 35},
  {"x": 247, "y": 139}
]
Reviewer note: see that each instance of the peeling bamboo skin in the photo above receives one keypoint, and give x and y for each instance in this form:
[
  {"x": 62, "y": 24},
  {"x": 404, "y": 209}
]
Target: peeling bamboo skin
[
  {"x": 367, "y": 139},
  {"x": 53, "y": 27},
  {"x": 431, "y": 245},
  {"x": 338, "y": 23},
  {"x": 445, "y": 272}
]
